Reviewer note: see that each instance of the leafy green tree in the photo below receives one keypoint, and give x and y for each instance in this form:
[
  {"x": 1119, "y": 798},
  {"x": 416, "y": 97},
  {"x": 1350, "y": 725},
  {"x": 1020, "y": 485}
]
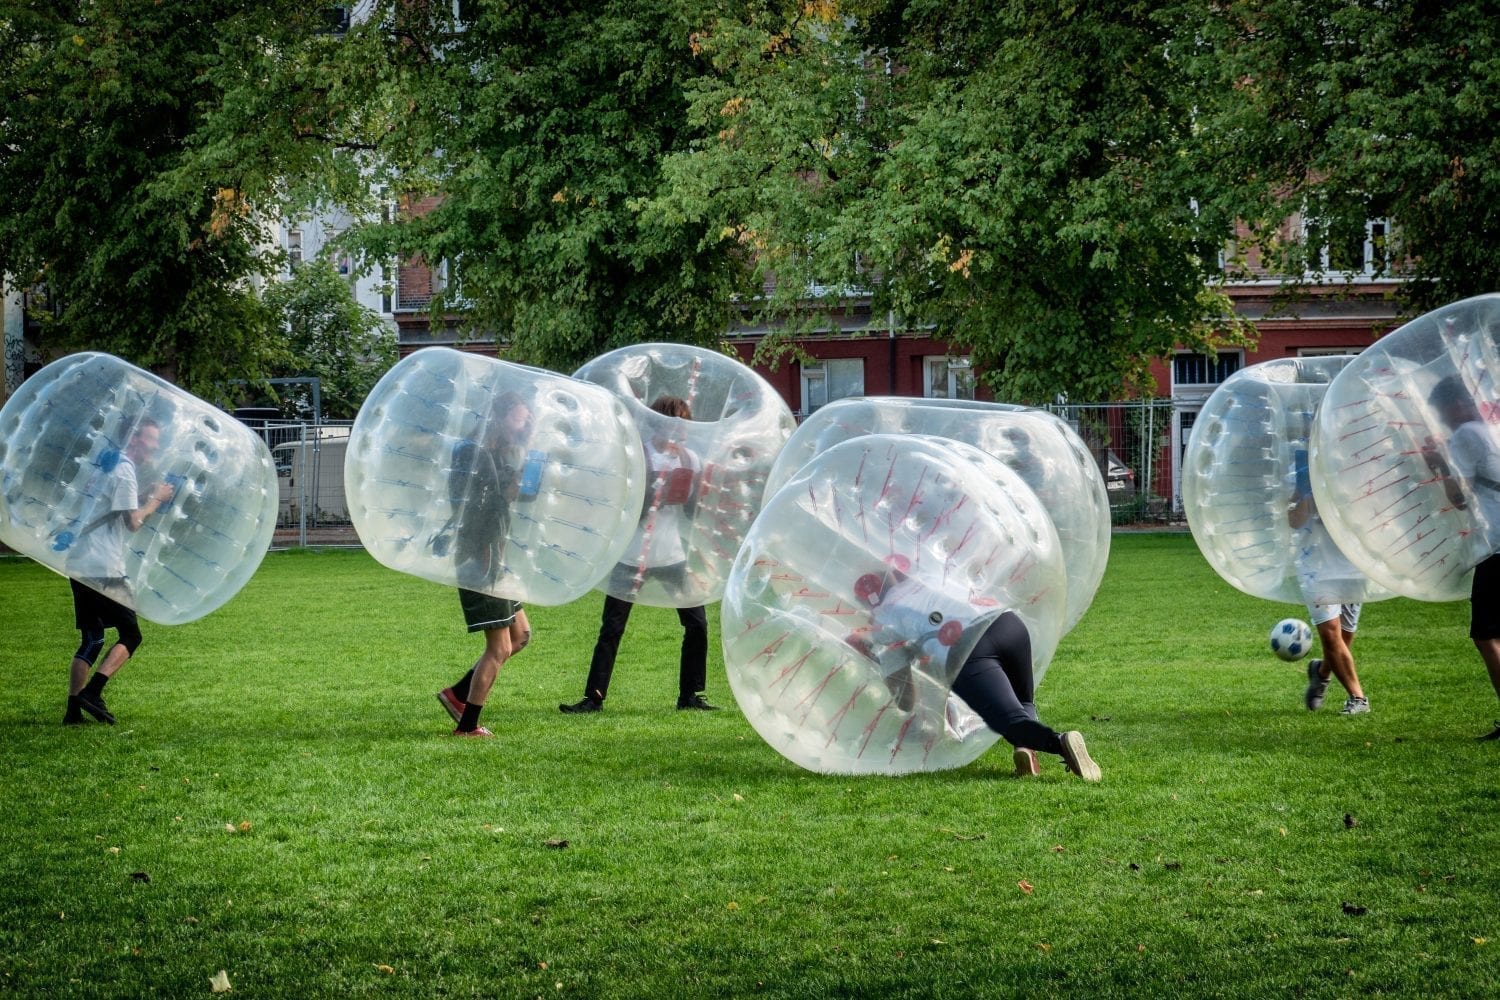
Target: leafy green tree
[
  {"x": 1346, "y": 112},
  {"x": 1012, "y": 176},
  {"x": 532, "y": 136},
  {"x": 99, "y": 104},
  {"x": 330, "y": 336}
]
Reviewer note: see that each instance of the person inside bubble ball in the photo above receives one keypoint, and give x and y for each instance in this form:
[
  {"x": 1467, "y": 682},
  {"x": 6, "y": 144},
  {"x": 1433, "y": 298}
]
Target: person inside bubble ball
[
  {"x": 96, "y": 568},
  {"x": 1474, "y": 449},
  {"x": 670, "y": 496},
  {"x": 1318, "y": 559},
  {"x": 907, "y": 631},
  {"x": 482, "y": 484}
]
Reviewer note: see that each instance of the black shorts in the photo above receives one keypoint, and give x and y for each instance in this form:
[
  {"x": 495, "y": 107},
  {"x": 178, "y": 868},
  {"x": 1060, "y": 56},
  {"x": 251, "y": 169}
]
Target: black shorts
[
  {"x": 93, "y": 612},
  {"x": 1484, "y": 600},
  {"x": 483, "y": 612}
]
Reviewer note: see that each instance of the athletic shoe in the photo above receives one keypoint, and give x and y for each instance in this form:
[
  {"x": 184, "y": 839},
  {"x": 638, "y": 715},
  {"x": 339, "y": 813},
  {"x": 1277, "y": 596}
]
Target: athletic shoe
[
  {"x": 1355, "y": 706},
  {"x": 477, "y": 731},
  {"x": 72, "y": 716},
  {"x": 1493, "y": 734},
  {"x": 1025, "y": 761},
  {"x": 452, "y": 703},
  {"x": 1076, "y": 756},
  {"x": 696, "y": 702},
  {"x": 94, "y": 705},
  {"x": 580, "y": 707},
  {"x": 1317, "y": 685}
]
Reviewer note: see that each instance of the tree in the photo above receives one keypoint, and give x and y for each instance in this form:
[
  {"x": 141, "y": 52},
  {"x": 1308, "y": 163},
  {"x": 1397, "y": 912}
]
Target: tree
[
  {"x": 1349, "y": 111},
  {"x": 536, "y": 132},
  {"x": 1013, "y": 176},
  {"x": 330, "y": 336},
  {"x": 98, "y": 103}
]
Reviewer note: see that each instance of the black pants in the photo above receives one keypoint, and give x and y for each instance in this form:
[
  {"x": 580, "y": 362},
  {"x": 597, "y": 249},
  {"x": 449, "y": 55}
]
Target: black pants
[
  {"x": 692, "y": 671},
  {"x": 996, "y": 682}
]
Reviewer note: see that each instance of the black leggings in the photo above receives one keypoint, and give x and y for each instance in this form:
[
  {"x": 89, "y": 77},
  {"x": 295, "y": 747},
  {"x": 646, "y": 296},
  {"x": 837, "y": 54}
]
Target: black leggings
[{"x": 996, "y": 683}]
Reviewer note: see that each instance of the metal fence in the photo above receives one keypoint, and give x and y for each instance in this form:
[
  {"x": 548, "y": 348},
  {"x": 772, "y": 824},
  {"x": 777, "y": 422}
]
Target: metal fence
[
  {"x": 1136, "y": 445},
  {"x": 311, "y": 507}
]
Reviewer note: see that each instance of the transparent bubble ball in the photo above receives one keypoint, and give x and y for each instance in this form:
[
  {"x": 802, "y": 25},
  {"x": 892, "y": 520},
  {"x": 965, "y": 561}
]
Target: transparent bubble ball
[
  {"x": 705, "y": 476},
  {"x": 65, "y": 441},
  {"x": 501, "y": 478},
  {"x": 1244, "y": 471},
  {"x": 862, "y": 588}
]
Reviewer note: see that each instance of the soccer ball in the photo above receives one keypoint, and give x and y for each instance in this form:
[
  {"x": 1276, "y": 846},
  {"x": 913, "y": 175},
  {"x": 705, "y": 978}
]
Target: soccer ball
[{"x": 1291, "y": 639}]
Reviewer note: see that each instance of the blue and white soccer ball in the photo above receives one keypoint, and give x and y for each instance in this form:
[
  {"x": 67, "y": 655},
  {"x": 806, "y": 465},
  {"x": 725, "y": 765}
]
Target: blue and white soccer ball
[{"x": 1291, "y": 639}]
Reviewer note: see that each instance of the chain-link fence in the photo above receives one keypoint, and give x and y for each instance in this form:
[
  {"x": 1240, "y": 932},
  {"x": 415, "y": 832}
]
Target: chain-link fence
[
  {"x": 1138, "y": 446},
  {"x": 311, "y": 508}
]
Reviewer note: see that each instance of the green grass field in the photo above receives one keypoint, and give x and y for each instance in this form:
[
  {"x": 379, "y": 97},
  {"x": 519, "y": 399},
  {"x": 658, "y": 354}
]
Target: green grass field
[{"x": 281, "y": 800}]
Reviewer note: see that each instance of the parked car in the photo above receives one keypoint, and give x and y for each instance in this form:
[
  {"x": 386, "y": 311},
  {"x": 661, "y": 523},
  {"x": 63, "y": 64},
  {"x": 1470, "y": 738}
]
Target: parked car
[{"x": 1119, "y": 478}]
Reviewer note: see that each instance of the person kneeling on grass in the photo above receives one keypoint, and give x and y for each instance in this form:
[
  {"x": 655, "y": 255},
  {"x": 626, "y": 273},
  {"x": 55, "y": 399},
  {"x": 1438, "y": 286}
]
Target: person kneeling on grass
[{"x": 995, "y": 680}]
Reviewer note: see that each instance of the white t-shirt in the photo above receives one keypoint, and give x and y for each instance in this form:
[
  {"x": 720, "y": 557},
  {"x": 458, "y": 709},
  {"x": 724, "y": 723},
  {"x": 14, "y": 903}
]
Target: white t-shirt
[
  {"x": 658, "y": 539},
  {"x": 98, "y": 550},
  {"x": 1475, "y": 452}
]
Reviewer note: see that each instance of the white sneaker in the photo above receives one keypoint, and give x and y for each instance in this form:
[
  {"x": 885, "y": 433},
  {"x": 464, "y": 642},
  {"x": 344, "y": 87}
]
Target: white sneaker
[
  {"x": 1076, "y": 756},
  {"x": 1317, "y": 685},
  {"x": 1356, "y": 706}
]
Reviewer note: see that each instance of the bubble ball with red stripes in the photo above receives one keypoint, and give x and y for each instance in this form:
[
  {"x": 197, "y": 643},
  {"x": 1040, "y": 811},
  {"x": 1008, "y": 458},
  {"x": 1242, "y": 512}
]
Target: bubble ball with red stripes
[
  {"x": 1406, "y": 452},
  {"x": 1039, "y": 446},
  {"x": 1247, "y": 489},
  {"x": 492, "y": 476},
  {"x": 706, "y": 472},
  {"x": 864, "y": 585},
  {"x": 85, "y": 439}
]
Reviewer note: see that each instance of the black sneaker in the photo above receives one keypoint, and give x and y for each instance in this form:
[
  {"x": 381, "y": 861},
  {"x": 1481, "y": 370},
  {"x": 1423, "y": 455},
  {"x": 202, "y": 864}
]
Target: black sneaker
[
  {"x": 580, "y": 707},
  {"x": 696, "y": 702},
  {"x": 73, "y": 716},
  {"x": 94, "y": 705}
]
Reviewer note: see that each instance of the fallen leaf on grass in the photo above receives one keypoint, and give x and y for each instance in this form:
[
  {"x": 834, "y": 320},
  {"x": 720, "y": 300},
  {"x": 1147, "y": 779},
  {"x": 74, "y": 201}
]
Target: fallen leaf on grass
[
  {"x": 1058, "y": 848},
  {"x": 386, "y": 969},
  {"x": 1355, "y": 910},
  {"x": 1350, "y": 822},
  {"x": 967, "y": 837},
  {"x": 732, "y": 905},
  {"x": 555, "y": 843},
  {"x": 140, "y": 876},
  {"x": 1044, "y": 947},
  {"x": 1480, "y": 940},
  {"x": 1026, "y": 887},
  {"x": 220, "y": 982}
]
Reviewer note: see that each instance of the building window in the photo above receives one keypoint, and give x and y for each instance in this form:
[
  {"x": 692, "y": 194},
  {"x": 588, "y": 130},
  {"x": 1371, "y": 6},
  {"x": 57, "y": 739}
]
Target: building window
[
  {"x": 1363, "y": 249},
  {"x": 1190, "y": 369},
  {"x": 294, "y": 248},
  {"x": 825, "y": 381},
  {"x": 947, "y": 378}
]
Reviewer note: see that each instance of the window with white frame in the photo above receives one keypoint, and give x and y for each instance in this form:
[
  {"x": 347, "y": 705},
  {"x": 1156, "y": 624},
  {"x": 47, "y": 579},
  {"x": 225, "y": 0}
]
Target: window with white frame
[
  {"x": 835, "y": 378},
  {"x": 947, "y": 377},
  {"x": 1361, "y": 248}
]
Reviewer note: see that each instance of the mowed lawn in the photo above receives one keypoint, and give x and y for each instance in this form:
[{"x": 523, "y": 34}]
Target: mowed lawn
[{"x": 281, "y": 801}]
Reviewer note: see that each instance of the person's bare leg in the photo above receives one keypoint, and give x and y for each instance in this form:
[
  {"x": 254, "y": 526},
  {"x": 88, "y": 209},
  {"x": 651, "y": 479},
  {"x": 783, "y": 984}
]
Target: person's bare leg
[
  {"x": 497, "y": 649},
  {"x": 1337, "y": 658}
]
